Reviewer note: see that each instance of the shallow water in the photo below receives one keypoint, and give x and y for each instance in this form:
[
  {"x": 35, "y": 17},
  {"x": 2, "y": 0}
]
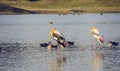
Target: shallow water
[{"x": 20, "y": 36}]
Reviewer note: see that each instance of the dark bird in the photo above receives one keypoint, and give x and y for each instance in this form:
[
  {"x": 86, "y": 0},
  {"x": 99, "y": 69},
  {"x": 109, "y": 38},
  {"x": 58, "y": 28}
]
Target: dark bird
[
  {"x": 101, "y": 13},
  {"x": 111, "y": 43},
  {"x": 70, "y": 43},
  {"x": 44, "y": 44},
  {"x": 50, "y": 22}
]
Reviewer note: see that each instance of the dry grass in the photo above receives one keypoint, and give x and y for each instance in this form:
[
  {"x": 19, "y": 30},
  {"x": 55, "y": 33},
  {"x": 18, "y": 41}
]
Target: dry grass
[{"x": 67, "y": 5}]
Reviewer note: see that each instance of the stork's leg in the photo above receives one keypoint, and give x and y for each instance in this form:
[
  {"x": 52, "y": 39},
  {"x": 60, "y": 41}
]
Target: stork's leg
[
  {"x": 94, "y": 44},
  {"x": 58, "y": 49}
]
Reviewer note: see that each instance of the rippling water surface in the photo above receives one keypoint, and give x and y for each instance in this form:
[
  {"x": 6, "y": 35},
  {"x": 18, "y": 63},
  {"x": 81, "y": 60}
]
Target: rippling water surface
[{"x": 20, "y": 36}]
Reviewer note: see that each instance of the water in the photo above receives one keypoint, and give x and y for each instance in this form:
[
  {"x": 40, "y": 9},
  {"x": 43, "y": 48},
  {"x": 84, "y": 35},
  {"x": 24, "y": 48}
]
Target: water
[{"x": 20, "y": 36}]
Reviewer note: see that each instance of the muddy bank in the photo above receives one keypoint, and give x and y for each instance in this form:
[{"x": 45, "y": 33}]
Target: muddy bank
[{"x": 6, "y": 9}]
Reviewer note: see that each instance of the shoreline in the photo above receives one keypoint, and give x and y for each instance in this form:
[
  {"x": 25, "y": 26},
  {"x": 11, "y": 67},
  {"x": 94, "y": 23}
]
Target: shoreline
[
  {"x": 6, "y": 9},
  {"x": 58, "y": 12}
]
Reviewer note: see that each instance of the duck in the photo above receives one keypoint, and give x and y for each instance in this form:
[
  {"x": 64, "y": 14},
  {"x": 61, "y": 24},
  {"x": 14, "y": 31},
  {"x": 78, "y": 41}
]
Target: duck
[
  {"x": 70, "y": 43},
  {"x": 112, "y": 43},
  {"x": 51, "y": 22},
  {"x": 50, "y": 46},
  {"x": 44, "y": 44}
]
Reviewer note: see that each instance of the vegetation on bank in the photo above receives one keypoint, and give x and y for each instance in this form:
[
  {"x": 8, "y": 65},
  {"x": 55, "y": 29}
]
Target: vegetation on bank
[{"x": 65, "y": 6}]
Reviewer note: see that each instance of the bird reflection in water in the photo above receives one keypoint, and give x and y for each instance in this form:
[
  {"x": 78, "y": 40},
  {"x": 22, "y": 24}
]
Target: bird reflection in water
[
  {"x": 57, "y": 64},
  {"x": 96, "y": 62}
]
